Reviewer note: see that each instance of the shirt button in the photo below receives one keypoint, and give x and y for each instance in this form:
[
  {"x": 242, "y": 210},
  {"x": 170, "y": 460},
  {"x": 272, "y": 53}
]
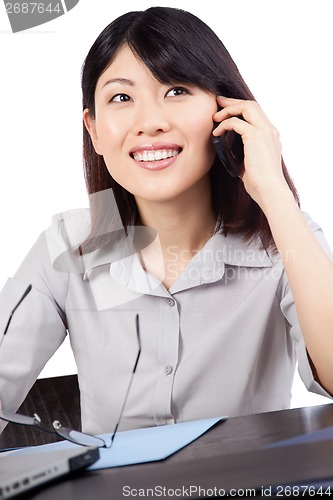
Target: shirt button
[
  {"x": 168, "y": 370},
  {"x": 171, "y": 302}
]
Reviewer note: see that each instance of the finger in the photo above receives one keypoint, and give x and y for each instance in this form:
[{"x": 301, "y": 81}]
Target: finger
[
  {"x": 233, "y": 123},
  {"x": 248, "y": 110},
  {"x": 225, "y": 101}
]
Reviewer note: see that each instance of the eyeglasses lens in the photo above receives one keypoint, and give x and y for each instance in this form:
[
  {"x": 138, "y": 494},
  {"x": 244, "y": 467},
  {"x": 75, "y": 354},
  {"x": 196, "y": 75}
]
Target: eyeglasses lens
[{"x": 79, "y": 437}]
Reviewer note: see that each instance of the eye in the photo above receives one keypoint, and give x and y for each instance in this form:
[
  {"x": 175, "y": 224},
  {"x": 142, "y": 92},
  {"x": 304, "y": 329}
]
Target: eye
[
  {"x": 176, "y": 91},
  {"x": 120, "y": 98}
]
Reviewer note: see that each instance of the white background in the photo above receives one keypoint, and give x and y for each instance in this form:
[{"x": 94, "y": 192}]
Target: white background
[{"x": 283, "y": 48}]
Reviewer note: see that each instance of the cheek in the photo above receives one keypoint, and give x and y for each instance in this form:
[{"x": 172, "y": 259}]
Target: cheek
[
  {"x": 110, "y": 128},
  {"x": 200, "y": 124},
  {"x": 110, "y": 141},
  {"x": 108, "y": 133},
  {"x": 200, "y": 128}
]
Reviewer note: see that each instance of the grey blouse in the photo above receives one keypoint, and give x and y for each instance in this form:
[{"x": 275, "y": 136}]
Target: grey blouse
[{"x": 223, "y": 340}]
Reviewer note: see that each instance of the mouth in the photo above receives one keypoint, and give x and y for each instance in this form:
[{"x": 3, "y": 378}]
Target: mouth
[
  {"x": 160, "y": 154},
  {"x": 156, "y": 159}
]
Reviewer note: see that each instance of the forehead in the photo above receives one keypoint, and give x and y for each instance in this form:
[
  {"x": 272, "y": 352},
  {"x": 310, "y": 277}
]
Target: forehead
[{"x": 125, "y": 65}]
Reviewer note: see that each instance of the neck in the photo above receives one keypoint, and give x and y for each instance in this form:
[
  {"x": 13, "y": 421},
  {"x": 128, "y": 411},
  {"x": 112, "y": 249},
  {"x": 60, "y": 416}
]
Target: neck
[
  {"x": 183, "y": 226},
  {"x": 186, "y": 223}
]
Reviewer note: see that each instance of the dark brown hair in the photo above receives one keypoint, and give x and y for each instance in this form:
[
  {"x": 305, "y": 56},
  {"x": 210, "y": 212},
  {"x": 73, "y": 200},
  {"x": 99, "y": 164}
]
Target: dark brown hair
[{"x": 176, "y": 46}]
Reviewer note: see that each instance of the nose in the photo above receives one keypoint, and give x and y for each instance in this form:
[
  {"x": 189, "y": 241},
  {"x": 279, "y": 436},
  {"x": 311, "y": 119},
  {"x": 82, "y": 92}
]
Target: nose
[{"x": 151, "y": 118}]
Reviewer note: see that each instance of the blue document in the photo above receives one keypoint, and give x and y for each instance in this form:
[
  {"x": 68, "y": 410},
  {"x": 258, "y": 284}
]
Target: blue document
[{"x": 139, "y": 445}]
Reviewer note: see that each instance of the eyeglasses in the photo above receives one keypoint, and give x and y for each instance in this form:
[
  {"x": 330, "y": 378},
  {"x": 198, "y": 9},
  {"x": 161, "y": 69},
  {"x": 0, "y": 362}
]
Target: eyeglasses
[{"x": 72, "y": 435}]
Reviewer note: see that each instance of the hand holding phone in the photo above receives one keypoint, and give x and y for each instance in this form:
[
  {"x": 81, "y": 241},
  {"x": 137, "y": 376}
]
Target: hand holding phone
[{"x": 230, "y": 150}]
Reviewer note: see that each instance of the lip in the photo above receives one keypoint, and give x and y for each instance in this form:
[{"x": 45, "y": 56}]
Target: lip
[{"x": 159, "y": 164}]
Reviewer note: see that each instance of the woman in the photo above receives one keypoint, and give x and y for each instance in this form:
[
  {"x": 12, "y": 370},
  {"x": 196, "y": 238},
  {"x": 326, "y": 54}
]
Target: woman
[{"x": 231, "y": 281}]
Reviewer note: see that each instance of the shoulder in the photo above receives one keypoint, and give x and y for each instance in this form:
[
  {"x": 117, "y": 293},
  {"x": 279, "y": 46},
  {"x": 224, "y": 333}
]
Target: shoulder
[
  {"x": 66, "y": 234},
  {"x": 53, "y": 252},
  {"x": 67, "y": 230},
  {"x": 75, "y": 222}
]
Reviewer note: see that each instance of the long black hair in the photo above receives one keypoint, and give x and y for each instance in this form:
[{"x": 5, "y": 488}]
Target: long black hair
[{"x": 176, "y": 46}]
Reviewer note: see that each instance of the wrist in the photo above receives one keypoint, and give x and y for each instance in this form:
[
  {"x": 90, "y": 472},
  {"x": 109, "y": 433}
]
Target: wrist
[{"x": 277, "y": 198}]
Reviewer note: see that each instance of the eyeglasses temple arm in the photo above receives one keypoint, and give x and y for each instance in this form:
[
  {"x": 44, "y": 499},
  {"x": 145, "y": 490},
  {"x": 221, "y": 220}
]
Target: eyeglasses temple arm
[
  {"x": 27, "y": 290},
  {"x": 131, "y": 380}
]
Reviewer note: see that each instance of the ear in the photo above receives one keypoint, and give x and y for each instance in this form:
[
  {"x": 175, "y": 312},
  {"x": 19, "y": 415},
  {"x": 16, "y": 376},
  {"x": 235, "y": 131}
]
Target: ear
[{"x": 90, "y": 125}]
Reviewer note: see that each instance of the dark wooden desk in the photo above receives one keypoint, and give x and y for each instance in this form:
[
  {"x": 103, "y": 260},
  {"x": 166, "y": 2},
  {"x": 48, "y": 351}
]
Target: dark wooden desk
[{"x": 229, "y": 456}]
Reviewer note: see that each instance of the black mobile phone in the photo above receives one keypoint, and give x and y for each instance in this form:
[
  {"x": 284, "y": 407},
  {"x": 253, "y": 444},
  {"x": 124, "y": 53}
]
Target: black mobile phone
[{"x": 230, "y": 150}]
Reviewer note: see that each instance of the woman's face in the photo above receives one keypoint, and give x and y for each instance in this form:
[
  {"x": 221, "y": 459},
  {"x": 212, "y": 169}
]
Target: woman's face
[{"x": 155, "y": 138}]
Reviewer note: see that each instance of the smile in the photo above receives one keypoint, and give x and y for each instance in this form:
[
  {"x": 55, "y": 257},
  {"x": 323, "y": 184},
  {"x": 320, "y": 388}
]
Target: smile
[{"x": 155, "y": 155}]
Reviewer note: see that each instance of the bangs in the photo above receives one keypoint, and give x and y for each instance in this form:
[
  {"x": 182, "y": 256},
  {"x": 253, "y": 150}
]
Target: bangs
[{"x": 169, "y": 53}]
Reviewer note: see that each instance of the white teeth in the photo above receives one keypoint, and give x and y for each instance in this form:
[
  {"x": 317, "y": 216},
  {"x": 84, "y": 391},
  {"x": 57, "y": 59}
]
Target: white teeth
[{"x": 159, "y": 154}]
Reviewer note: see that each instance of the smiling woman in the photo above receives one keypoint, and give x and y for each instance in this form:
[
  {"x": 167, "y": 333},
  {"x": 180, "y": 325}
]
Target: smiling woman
[{"x": 232, "y": 282}]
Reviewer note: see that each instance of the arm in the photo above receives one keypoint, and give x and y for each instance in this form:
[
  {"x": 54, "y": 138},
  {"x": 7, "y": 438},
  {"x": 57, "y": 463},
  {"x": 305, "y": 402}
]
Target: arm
[{"x": 308, "y": 267}]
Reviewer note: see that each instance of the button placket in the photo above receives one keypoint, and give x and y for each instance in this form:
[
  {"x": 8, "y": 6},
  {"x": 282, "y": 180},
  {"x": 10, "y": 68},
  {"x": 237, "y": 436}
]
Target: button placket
[{"x": 168, "y": 357}]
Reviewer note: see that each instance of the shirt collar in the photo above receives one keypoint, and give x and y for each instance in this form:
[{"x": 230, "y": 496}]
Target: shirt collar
[
  {"x": 237, "y": 252},
  {"x": 207, "y": 266}
]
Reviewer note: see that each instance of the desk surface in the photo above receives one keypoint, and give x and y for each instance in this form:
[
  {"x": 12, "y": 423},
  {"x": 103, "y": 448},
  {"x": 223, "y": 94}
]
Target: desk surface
[{"x": 229, "y": 456}]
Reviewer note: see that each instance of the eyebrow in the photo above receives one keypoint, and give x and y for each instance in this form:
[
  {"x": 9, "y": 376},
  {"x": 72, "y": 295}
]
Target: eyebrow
[{"x": 124, "y": 81}]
